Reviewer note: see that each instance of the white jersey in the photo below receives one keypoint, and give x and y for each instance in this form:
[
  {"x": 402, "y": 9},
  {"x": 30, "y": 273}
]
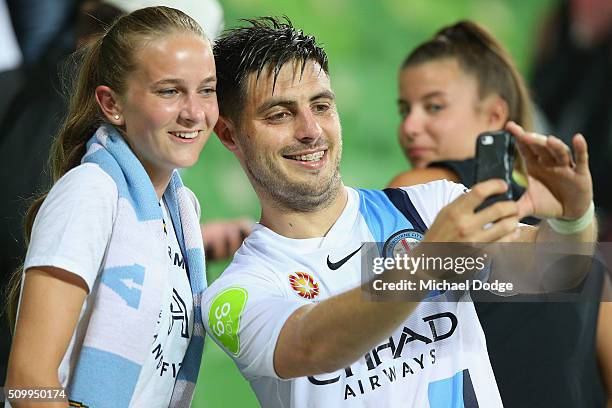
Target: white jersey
[
  {"x": 436, "y": 358},
  {"x": 71, "y": 232}
]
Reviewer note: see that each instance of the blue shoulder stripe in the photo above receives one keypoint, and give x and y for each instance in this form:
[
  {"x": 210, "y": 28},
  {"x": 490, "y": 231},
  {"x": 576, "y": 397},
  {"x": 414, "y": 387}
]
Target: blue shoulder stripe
[
  {"x": 402, "y": 202},
  {"x": 381, "y": 215}
]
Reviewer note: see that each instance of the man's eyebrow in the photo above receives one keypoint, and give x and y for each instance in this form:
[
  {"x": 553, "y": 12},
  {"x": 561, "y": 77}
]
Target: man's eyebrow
[
  {"x": 324, "y": 95},
  {"x": 208, "y": 79},
  {"x": 275, "y": 102},
  {"x": 288, "y": 103}
]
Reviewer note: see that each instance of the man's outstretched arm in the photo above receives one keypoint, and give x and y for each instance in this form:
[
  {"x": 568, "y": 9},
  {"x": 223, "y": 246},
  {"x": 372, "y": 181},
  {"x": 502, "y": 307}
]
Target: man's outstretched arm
[{"x": 336, "y": 332}]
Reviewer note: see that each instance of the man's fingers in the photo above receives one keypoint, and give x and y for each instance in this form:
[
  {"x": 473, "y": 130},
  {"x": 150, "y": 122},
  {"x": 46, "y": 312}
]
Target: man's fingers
[
  {"x": 582, "y": 153},
  {"x": 528, "y": 138},
  {"x": 523, "y": 136},
  {"x": 531, "y": 139},
  {"x": 512, "y": 236},
  {"x": 528, "y": 147},
  {"x": 536, "y": 148},
  {"x": 515, "y": 128},
  {"x": 525, "y": 206},
  {"x": 498, "y": 230},
  {"x": 497, "y": 211},
  {"x": 544, "y": 153},
  {"x": 481, "y": 191},
  {"x": 548, "y": 151},
  {"x": 560, "y": 151},
  {"x": 528, "y": 154}
]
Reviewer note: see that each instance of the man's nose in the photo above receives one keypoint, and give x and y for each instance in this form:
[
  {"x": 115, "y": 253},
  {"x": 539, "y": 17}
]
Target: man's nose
[{"x": 308, "y": 129}]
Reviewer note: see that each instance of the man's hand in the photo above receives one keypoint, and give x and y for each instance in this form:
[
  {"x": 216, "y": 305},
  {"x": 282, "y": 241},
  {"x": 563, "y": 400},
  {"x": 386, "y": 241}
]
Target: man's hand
[
  {"x": 223, "y": 237},
  {"x": 457, "y": 222},
  {"x": 558, "y": 187}
]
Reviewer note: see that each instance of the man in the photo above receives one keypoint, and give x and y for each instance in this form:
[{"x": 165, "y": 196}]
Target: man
[{"x": 290, "y": 308}]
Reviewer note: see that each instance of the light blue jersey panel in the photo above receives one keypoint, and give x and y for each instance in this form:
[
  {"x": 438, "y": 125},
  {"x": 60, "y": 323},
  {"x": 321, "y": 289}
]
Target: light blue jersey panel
[{"x": 381, "y": 216}]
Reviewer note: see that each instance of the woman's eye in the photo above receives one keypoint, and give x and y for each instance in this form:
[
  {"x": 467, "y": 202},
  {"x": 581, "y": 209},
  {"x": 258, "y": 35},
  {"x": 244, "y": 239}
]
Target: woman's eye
[
  {"x": 434, "y": 107},
  {"x": 403, "y": 109}
]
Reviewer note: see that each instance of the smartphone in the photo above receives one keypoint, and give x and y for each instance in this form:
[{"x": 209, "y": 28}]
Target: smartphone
[{"x": 495, "y": 159}]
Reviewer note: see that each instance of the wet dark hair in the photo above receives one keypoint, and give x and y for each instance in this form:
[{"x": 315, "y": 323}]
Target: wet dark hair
[
  {"x": 482, "y": 56},
  {"x": 267, "y": 44}
]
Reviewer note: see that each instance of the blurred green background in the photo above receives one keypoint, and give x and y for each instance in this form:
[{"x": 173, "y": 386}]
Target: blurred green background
[{"x": 365, "y": 42}]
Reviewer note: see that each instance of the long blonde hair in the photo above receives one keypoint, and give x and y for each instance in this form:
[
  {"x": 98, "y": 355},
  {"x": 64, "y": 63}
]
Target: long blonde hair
[{"x": 108, "y": 60}]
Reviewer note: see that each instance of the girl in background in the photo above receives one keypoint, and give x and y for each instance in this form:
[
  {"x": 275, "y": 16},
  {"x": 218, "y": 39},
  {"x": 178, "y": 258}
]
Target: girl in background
[{"x": 453, "y": 87}]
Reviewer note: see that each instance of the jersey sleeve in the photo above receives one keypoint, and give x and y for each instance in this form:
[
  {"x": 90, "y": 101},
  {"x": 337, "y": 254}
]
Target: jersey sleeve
[
  {"x": 74, "y": 224},
  {"x": 244, "y": 314},
  {"x": 431, "y": 197}
]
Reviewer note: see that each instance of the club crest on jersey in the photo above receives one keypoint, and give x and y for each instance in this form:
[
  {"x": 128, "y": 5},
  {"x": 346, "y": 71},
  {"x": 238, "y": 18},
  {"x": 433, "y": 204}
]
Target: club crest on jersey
[
  {"x": 401, "y": 242},
  {"x": 304, "y": 285}
]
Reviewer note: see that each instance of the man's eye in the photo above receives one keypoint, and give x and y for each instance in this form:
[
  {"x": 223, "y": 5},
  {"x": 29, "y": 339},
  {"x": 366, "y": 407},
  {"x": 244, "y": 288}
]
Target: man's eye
[
  {"x": 208, "y": 91},
  {"x": 321, "y": 108},
  {"x": 167, "y": 92},
  {"x": 277, "y": 117}
]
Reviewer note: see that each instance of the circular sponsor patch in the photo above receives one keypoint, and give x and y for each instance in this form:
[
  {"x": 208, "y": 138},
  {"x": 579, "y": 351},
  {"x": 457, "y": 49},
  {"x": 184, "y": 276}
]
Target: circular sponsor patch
[
  {"x": 304, "y": 285},
  {"x": 224, "y": 317},
  {"x": 401, "y": 242}
]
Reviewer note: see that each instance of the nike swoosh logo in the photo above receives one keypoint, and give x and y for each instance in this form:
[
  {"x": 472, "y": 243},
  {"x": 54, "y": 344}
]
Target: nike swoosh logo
[{"x": 335, "y": 265}]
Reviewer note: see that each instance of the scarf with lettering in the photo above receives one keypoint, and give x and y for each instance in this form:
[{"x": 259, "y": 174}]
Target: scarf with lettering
[{"x": 127, "y": 301}]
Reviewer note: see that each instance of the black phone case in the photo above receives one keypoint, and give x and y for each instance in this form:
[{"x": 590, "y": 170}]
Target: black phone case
[{"x": 495, "y": 159}]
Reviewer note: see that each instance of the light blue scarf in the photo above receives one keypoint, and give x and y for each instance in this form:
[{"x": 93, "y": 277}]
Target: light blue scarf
[{"x": 127, "y": 301}]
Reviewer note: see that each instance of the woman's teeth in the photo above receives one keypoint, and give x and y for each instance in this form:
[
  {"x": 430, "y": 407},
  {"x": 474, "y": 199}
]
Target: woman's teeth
[{"x": 186, "y": 135}]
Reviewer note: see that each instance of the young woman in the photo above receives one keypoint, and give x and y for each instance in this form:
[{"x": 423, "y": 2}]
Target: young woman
[
  {"x": 453, "y": 87},
  {"x": 115, "y": 263}
]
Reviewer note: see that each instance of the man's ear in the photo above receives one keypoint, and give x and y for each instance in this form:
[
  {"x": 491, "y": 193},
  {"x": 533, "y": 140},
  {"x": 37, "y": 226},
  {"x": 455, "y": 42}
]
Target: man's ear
[
  {"x": 226, "y": 132},
  {"x": 497, "y": 112},
  {"x": 110, "y": 105}
]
